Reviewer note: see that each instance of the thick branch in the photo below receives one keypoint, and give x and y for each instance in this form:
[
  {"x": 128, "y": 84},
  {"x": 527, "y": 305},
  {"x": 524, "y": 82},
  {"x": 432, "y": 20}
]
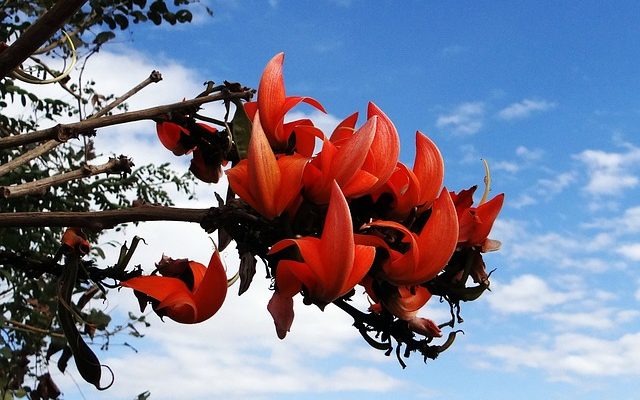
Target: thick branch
[
  {"x": 64, "y": 132},
  {"x": 37, "y": 34},
  {"x": 98, "y": 220},
  {"x": 114, "y": 165}
]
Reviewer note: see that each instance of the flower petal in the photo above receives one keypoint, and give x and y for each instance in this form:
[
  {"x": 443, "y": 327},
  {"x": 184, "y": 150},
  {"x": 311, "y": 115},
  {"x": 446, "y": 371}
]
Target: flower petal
[
  {"x": 281, "y": 309},
  {"x": 428, "y": 168},
  {"x": 438, "y": 238},
  {"x": 271, "y": 93},
  {"x": 211, "y": 292},
  {"x": 385, "y": 147}
]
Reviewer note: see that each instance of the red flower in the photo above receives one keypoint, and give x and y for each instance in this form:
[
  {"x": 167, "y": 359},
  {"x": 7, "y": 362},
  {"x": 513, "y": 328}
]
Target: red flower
[
  {"x": 342, "y": 163},
  {"x": 331, "y": 265},
  {"x": 476, "y": 222},
  {"x": 428, "y": 252},
  {"x": 75, "y": 239},
  {"x": 190, "y": 293},
  {"x": 266, "y": 183},
  {"x": 273, "y": 104},
  {"x": 418, "y": 187}
]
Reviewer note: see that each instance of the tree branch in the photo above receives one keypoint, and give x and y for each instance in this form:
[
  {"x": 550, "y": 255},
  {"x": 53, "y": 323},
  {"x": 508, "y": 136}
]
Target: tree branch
[
  {"x": 28, "y": 156},
  {"x": 154, "y": 77},
  {"x": 99, "y": 220},
  {"x": 64, "y": 132},
  {"x": 37, "y": 34},
  {"x": 46, "y": 147},
  {"x": 114, "y": 165}
]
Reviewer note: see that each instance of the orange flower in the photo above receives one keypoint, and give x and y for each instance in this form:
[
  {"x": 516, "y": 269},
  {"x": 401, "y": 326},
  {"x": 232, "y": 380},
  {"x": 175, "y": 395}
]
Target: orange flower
[
  {"x": 404, "y": 302},
  {"x": 428, "y": 252},
  {"x": 417, "y": 187},
  {"x": 174, "y": 137},
  {"x": 191, "y": 292},
  {"x": 331, "y": 265},
  {"x": 385, "y": 148},
  {"x": 342, "y": 163},
  {"x": 266, "y": 183},
  {"x": 476, "y": 222},
  {"x": 75, "y": 239},
  {"x": 273, "y": 104}
]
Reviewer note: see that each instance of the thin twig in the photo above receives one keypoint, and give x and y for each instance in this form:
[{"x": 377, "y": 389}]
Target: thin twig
[
  {"x": 64, "y": 132},
  {"x": 154, "y": 77},
  {"x": 99, "y": 220},
  {"x": 114, "y": 165},
  {"x": 52, "y": 73},
  {"x": 37, "y": 34},
  {"x": 28, "y": 156},
  {"x": 32, "y": 329}
]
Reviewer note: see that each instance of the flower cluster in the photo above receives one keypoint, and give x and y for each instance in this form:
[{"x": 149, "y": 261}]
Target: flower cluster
[{"x": 331, "y": 218}]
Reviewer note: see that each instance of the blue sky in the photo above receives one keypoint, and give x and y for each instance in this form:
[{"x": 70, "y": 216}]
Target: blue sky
[{"x": 546, "y": 91}]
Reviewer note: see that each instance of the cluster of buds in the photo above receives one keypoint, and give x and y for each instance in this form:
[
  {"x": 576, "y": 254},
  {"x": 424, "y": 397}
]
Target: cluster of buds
[{"x": 328, "y": 220}]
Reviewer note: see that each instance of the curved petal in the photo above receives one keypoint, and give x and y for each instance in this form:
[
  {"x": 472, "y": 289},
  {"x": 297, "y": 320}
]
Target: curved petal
[
  {"x": 337, "y": 247},
  {"x": 306, "y": 138},
  {"x": 250, "y": 108},
  {"x": 385, "y": 147},
  {"x": 428, "y": 168},
  {"x": 211, "y": 292},
  {"x": 475, "y": 224},
  {"x": 345, "y": 129},
  {"x": 281, "y": 309},
  {"x": 464, "y": 199},
  {"x": 291, "y": 171},
  {"x": 352, "y": 153},
  {"x": 406, "y": 303},
  {"x": 362, "y": 262},
  {"x": 271, "y": 94},
  {"x": 238, "y": 177},
  {"x": 169, "y": 134},
  {"x": 292, "y": 276},
  {"x": 157, "y": 287},
  {"x": 180, "y": 307},
  {"x": 438, "y": 238},
  {"x": 359, "y": 185},
  {"x": 263, "y": 172}
]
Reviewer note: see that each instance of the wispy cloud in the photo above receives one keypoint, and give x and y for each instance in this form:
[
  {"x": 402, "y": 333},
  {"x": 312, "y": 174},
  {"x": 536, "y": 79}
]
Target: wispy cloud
[
  {"x": 529, "y": 154},
  {"x": 453, "y": 50},
  {"x": 630, "y": 251},
  {"x": 571, "y": 355},
  {"x": 466, "y": 118},
  {"x": 610, "y": 173},
  {"x": 526, "y": 294},
  {"x": 549, "y": 187},
  {"x": 524, "y": 109}
]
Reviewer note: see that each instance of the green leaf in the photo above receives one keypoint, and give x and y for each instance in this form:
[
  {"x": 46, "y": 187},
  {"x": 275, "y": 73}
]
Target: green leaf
[
  {"x": 241, "y": 129},
  {"x": 103, "y": 37}
]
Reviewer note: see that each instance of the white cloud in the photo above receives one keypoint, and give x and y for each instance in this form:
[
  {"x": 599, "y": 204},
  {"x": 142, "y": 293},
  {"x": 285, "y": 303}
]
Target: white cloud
[
  {"x": 569, "y": 356},
  {"x": 507, "y": 166},
  {"x": 529, "y": 154},
  {"x": 527, "y": 294},
  {"x": 630, "y": 251},
  {"x": 610, "y": 173},
  {"x": 627, "y": 223},
  {"x": 521, "y": 201},
  {"x": 551, "y": 187},
  {"x": 465, "y": 119},
  {"x": 524, "y": 108}
]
